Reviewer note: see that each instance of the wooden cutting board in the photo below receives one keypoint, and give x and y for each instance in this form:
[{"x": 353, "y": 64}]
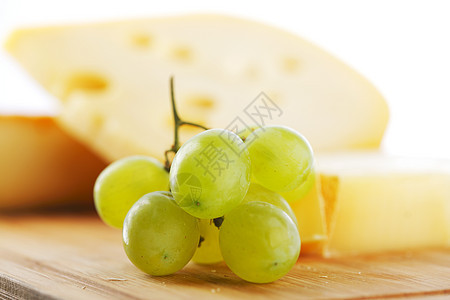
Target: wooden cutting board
[{"x": 75, "y": 256}]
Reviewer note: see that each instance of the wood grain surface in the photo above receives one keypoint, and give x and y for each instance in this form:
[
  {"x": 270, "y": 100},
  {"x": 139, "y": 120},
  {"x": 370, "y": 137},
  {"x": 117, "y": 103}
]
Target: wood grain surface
[{"x": 75, "y": 256}]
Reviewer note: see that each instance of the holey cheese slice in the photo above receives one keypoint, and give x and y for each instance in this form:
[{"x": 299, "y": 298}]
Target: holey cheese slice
[
  {"x": 377, "y": 203},
  {"x": 113, "y": 80}
]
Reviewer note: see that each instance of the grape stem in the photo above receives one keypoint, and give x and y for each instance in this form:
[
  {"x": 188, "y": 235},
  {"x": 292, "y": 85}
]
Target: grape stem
[
  {"x": 218, "y": 222},
  {"x": 178, "y": 122}
]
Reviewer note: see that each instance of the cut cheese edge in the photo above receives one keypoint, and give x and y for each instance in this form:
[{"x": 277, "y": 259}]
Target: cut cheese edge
[
  {"x": 41, "y": 165},
  {"x": 308, "y": 205},
  {"x": 113, "y": 80},
  {"x": 376, "y": 203}
]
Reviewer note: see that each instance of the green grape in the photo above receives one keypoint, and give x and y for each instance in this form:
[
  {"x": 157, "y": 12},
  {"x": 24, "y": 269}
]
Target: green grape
[
  {"x": 301, "y": 191},
  {"x": 208, "y": 251},
  {"x": 158, "y": 236},
  {"x": 123, "y": 182},
  {"x": 210, "y": 173},
  {"x": 281, "y": 157},
  {"x": 257, "y": 192},
  {"x": 259, "y": 242}
]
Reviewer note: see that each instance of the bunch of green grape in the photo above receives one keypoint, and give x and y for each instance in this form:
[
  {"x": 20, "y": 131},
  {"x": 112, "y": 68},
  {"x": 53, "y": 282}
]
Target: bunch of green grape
[{"x": 220, "y": 201}]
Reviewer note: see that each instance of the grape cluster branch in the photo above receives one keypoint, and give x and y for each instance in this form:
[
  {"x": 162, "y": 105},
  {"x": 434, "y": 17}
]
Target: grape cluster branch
[{"x": 178, "y": 122}]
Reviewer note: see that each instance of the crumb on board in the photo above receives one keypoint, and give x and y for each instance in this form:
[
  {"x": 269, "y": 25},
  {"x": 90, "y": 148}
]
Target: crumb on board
[{"x": 114, "y": 279}]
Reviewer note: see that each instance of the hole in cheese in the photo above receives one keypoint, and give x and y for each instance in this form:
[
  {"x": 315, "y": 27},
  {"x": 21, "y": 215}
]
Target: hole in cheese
[
  {"x": 142, "y": 40},
  {"x": 201, "y": 102},
  {"x": 85, "y": 82},
  {"x": 182, "y": 53},
  {"x": 290, "y": 65},
  {"x": 196, "y": 108}
]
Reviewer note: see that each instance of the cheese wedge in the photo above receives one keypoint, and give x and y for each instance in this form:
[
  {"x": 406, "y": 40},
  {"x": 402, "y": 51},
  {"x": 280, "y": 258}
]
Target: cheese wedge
[
  {"x": 376, "y": 203},
  {"x": 113, "y": 81},
  {"x": 41, "y": 165}
]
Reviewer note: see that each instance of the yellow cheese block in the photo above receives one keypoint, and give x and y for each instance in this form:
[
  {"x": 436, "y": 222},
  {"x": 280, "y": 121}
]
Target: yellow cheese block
[
  {"x": 41, "y": 165},
  {"x": 376, "y": 203},
  {"x": 308, "y": 206},
  {"x": 113, "y": 80}
]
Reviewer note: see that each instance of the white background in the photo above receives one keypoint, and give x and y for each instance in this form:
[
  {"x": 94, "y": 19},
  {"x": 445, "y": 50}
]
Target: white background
[{"x": 403, "y": 47}]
